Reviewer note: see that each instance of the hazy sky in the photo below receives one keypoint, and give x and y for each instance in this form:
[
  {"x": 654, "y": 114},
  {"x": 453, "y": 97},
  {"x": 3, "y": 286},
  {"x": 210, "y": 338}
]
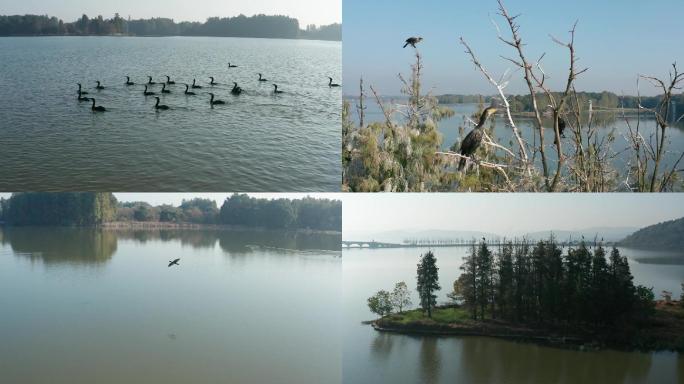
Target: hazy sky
[
  {"x": 306, "y": 11},
  {"x": 506, "y": 214},
  {"x": 616, "y": 40}
]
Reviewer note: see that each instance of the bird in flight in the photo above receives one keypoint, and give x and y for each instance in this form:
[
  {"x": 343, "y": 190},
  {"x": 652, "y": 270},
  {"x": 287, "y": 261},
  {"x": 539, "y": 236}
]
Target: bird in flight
[
  {"x": 412, "y": 41},
  {"x": 174, "y": 262}
]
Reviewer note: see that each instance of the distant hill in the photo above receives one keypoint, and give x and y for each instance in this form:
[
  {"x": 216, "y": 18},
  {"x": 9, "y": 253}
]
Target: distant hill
[{"x": 665, "y": 236}]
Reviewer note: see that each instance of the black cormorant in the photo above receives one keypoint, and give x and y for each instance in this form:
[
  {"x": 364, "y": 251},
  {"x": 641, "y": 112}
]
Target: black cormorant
[
  {"x": 236, "y": 90},
  {"x": 412, "y": 41},
  {"x": 261, "y": 78},
  {"x": 231, "y": 65},
  {"x": 79, "y": 90},
  {"x": 561, "y": 129},
  {"x": 98, "y": 108},
  {"x": 473, "y": 140},
  {"x": 195, "y": 86},
  {"x": 275, "y": 89},
  {"x": 164, "y": 90},
  {"x": 149, "y": 81},
  {"x": 212, "y": 81},
  {"x": 81, "y": 98},
  {"x": 157, "y": 106},
  {"x": 128, "y": 81},
  {"x": 331, "y": 84},
  {"x": 189, "y": 93},
  {"x": 174, "y": 262},
  {"x": 215, "y": 102},
  {"x": 99, "y": 86},
  {"x": 168, "y": 81},
  {"x": 147, "y": 93}
]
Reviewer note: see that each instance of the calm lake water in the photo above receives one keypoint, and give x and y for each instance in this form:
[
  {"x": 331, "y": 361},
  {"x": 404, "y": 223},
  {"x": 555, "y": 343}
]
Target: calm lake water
[
  {"x": 449, "y": 128},
  {"x": 373, "y": 357},
  {"x": 87, "y": 306},
  {"x": 257, "y": 142}
]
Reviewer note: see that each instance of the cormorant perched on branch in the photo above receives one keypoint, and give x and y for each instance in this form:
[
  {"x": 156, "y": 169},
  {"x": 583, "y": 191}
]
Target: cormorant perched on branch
[
  {"x": 473, "y": 140},
  {"x": 412, "y": 41},
  {"x": 561, "y": 128}
]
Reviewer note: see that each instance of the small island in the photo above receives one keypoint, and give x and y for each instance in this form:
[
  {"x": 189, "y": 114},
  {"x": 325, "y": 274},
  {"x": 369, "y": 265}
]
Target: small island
[
  {"x": 584, "y": 299},
  {"x": 664, "y": 331}
]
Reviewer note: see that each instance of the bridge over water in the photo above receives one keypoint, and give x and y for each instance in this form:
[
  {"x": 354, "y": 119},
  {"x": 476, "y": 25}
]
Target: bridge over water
[
  {"x": 492, "y": 244},
  {"x": 378, "y": 244},
  {"x": 370, "y": 244}
]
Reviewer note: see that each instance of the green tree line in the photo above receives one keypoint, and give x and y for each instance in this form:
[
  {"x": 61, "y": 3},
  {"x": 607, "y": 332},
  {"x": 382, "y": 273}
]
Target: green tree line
[
  {"x": 61, "y": 209},
  {"x": 86, "y": 209},
  {"x": 541, "y": 284},
  {"x": 303, "y": 213},
  {"x": 533, "y": 284},
  {"x": 242, "y": 210},
  {"x": 264, "y": 26},
  {"x": 599, "y": 100}
]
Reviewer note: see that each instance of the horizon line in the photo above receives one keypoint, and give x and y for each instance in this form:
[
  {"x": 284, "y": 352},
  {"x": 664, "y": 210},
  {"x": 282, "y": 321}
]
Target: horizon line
[{"x": 168, "y": 18}]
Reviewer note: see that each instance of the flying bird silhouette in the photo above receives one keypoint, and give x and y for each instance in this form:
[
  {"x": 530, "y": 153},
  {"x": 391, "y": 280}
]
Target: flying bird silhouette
[{"x": 174, "y": 262}]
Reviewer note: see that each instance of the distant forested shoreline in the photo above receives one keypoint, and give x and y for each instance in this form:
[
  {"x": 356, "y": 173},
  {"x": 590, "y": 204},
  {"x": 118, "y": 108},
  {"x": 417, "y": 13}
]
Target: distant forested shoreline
[
  {"x": 600, "y": 100},
  {"x": 87, "y": 209},
  {"x": 260, "y": 26}
]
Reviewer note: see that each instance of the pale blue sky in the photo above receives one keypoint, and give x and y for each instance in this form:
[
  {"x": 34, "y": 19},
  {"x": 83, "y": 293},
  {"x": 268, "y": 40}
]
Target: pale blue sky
[
  {"x": 306, "y": 11},
  {"x": 506, "y": 213},
  {"x": 615, "y": 39}
]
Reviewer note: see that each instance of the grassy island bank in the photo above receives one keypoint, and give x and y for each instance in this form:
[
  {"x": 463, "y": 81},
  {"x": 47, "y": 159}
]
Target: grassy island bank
[{"x": 663, "y": 331}]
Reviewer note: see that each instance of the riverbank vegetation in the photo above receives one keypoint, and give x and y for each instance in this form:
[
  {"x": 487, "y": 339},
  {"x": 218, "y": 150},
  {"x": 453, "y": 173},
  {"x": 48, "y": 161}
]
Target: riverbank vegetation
[
  {"x": 607, "y": 101},
  {"x": 90, "y": 209},
  {"x": 567, "y": 150},
  {"x": 59, "y": 209},
  {"x": 544, "y": 292},
  {"x": 264, "y": 26}
]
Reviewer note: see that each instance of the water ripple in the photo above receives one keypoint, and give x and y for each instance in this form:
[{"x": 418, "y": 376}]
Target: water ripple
[{"x": 258, "y": 141}]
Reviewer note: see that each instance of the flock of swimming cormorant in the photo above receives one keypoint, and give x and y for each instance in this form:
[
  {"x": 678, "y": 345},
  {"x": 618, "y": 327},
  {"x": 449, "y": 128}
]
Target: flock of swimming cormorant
[{"x": 236, "y": 90}]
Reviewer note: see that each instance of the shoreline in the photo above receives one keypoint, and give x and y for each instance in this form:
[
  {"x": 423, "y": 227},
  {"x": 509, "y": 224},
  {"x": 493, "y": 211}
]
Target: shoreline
[
  {"x": 124, "y": 35},
  {"x": 480, "y": 330},
  {"x": 153, "y": 225},
  {"x": 661, "y": 333}
]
